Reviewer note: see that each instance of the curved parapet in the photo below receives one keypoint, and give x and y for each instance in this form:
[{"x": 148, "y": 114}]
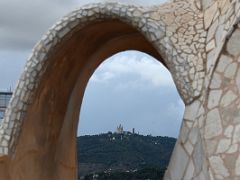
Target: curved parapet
[
  {"x": 195, "y": 40},
  {"x": 177, "y": 49}
]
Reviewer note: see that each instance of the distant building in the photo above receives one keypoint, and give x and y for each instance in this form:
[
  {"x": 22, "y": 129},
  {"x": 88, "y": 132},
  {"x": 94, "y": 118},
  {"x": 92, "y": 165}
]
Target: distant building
[
  {"x": 120, "y": 129},
  {"x": 133, "y": 130},
  {"x": 4, "y": 100}
]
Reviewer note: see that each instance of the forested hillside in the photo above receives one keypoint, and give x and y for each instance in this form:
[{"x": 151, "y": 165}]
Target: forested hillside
[{"x": 126, "y": 152}]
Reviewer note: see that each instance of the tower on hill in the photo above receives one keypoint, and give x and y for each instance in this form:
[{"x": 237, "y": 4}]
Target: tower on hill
[{"x": 119, "y": 129}]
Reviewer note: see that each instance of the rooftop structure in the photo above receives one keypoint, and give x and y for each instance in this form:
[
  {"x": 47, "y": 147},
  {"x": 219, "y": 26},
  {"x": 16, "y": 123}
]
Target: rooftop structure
[
  {"x": 119, "y": 129},
  {"x": 197, "y": 40},
  {"x": 4, "y": 100}
]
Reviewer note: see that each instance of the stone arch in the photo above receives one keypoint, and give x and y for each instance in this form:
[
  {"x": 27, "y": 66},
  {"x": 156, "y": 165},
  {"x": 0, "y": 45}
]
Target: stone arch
[
  {"x": 43, "y": 112},
  {"x": 139, "y": 21}
]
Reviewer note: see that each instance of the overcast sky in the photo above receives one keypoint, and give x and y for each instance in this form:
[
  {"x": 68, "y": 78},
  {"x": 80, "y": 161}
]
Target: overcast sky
[{"x": 133, "y": 88}]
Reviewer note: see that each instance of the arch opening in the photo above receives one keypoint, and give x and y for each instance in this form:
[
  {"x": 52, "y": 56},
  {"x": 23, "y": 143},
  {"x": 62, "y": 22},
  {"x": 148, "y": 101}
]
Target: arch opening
[
  {"x": 141, "y": 100},
  {"x": 130, "y": 72}
]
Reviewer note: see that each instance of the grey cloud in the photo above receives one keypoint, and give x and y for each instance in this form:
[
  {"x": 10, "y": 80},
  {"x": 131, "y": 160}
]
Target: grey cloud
[
  {"x": 22, "y": 23},
  {"x": 11, "y": 66},
  {"x": 140, "y": 64}
]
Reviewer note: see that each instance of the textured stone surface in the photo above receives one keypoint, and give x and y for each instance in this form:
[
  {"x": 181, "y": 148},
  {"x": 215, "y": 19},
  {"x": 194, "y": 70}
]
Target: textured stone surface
[
  {"x": 237, "y": 168},
  {"x": 218, "y": 167},
  {"x": 209, "y": 14},
  {"x": 223, "y": 145},
  {"x": 190, "y": 170},
  {"x": 180, "y": 161},
  {"x": 233, "y": 46},
  {"x": 214, "y": 98},
  {"x": 198, "y": 41},
  {"x": 231, "y": 71},
  {"x": 228, "y": 98},
  {"x": 213, "y": 124},
  {"x": 223, "y": 63}
]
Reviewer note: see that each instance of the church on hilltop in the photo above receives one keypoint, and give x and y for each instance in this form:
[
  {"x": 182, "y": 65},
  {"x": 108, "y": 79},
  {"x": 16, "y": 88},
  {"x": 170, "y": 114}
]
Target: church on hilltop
[{"x": 120, "y": 130}]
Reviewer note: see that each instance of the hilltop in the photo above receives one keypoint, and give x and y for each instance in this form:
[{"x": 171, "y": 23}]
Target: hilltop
[{"x": 126, "y": 152}]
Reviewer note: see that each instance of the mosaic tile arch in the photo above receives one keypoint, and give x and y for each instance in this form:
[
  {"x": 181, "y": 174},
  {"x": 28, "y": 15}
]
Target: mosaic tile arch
[{"x": 198, "y": 41}]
